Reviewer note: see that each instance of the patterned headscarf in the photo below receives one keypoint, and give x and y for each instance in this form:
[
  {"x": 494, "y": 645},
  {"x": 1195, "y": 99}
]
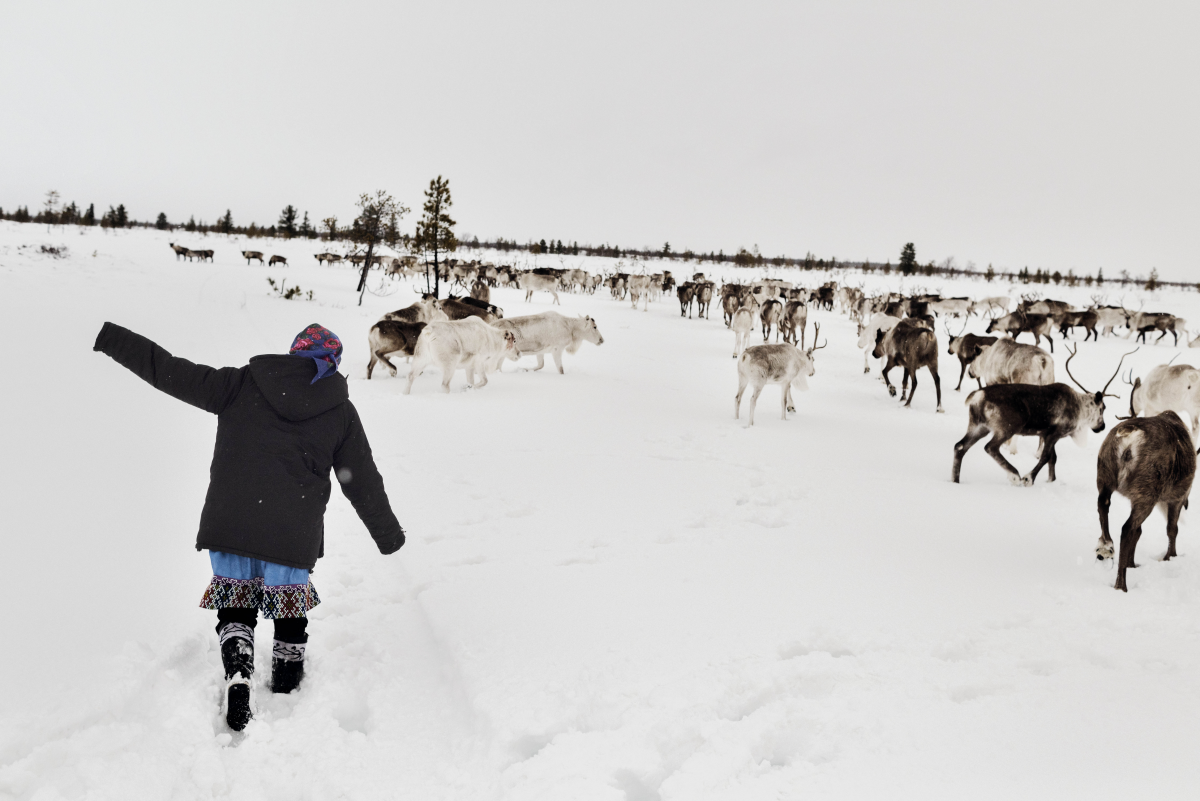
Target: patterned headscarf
[{"x": 322, "y": 346}]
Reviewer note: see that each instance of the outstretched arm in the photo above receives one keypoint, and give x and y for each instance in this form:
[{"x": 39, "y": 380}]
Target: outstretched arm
[
  {"x": 363, "y": 486},
  {"x": 205, "y": 387}
]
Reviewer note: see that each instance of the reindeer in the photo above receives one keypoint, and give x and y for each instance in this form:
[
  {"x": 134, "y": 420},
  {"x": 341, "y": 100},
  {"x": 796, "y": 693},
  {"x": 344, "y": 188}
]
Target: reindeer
[
  {"x": 276, "y": 260},
  {"x": 742, "y": 323},
  {"x": 912, "y": 346},
  {"x": 775, "y": 364},
  {"x": 1019, "y": 322},
  {"x": 686, "y": 292},
  {"x": 1149, "y": 460},
  {"x": 770, "y": 314},
  {"x": 180, "y": 251},
  {"x": 252, "y": 254},
  {"x": 704, "y": 293},
  {"x": 1048, "y": 412},
  {"x": 967, "y": 348},
  {"x": 795, "y": 317},
  {"x": 730, "y": 302}
]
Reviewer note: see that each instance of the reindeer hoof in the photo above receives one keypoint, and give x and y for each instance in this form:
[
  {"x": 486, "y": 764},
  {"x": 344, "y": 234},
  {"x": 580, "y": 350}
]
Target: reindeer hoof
[
  {"x": 892, "y": 392},
  {"x": 866, "y": 370},
  {"x": 940, "y": 410},
  {"x": 792, "y": 409}
]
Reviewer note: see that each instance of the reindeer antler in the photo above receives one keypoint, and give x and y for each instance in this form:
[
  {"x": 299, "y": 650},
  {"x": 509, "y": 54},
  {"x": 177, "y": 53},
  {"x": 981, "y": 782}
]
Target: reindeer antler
[
  {"x": 1118, "y": 370},
  {"x": 1067, "y": 367},
  {"x": 816, "y": 335}
]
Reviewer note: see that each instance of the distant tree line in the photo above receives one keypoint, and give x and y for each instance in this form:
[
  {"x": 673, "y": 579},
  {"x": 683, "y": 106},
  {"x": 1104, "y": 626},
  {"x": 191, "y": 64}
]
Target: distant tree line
[{"x": 293, "y": 223}]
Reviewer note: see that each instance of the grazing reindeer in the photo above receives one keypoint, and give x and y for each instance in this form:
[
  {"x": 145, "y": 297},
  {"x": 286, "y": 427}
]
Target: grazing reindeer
[
  {"x": 774, "y": 364},
  {"x": 1048, "y": 412},
  {"x": 912, "y": 346},
  {"x": 742, "y": 324},
  {"x": 252, "y": 254},
  {"x": 686, "y": 292},
  {"x": 795, "y": 317},
  {"x": 772, "y": 311},
  {"x": 276, "y": 260},
  {"x": 1150, "y": 461}
]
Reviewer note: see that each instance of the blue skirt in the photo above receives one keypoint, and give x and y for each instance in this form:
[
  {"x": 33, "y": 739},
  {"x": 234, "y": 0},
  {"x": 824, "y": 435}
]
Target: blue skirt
[{"x": 240, "y": 582}]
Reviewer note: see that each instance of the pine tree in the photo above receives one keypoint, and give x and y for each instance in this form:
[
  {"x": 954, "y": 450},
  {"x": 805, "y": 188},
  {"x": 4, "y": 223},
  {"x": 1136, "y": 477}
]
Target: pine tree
[
  {"x": 225, "y": 224},
  {"x": 990, "y": 275},
  {"x": 287, "y": 221},
  {"x": 908, "y": 259},
  {"x": 122, "y": 217},
  {"x": 435, "y": 229},
  {"x": 161, "y": 223},
  {"x": 89, "y": 216},
  {"x": 375, "y": 225},
  {"x": 191, "y": 224},
  {"x": 331, "y": 228},
  {"x": 306, "y": 230},
  {"x": 1152, "y": 281}
]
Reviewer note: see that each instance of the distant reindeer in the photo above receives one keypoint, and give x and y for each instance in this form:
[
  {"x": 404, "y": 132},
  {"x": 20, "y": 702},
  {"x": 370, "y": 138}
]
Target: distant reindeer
[
  {"x": 704, "y": 293},
  {"x": 276, "y": 260},
  {"x": 180, "y": 251},
  {"x": 795, "y": 318},
  {"x": 1149, "y": 460},
  {"x": 481, "y": 291},
  {"x": 912, "y": 346},
  {"x": 252, "y": 254},
  {"x": 686, "y": 292}
]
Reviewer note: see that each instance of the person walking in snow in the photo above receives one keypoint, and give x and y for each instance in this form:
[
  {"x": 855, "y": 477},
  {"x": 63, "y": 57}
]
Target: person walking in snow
[{"x": 283, "y": 422}]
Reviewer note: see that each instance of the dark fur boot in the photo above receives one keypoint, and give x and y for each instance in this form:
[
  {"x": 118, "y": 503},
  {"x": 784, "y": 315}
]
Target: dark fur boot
[
  {"x": 287, "y": 666},
  {"x": 237, "y": 655}
]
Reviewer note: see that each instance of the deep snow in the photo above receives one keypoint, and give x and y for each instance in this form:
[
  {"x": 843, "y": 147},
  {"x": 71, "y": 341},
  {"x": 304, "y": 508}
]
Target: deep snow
[{"x": 611, "y": 588}]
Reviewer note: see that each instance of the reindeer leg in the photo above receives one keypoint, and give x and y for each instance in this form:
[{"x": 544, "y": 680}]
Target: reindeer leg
[
  {"x": 886, "y": 369},
  {"x": 1104, "y": 548},
  {"x": 912, "y": 390},
  {"x": 754, "y": 401},
  {"x": 737, "y": 401},
  {"x": 371, "y": 366},
  {"x": 993, "y": 450},
  {"x": 960, "y": 377},
  {"x": 1048, "y": 457},
  {"x": 937, "y": 386},
  {"x": 974, "y": 434},
  {"x": 1130, "y": 533},
  {"x": 1173, "y": 510},
  {"x": 383, "y": 358}
]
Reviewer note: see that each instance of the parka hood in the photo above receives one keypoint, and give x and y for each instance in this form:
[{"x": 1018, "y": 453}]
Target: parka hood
[{"x": 286, "y": 382}]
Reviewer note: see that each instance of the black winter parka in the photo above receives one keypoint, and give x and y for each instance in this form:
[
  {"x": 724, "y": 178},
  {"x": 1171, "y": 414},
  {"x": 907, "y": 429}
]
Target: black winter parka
[{"x": 278, "y": 436}]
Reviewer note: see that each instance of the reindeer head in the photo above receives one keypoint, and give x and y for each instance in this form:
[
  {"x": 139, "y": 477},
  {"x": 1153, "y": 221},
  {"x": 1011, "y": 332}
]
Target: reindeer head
[{"x": 1091, "y": 412}]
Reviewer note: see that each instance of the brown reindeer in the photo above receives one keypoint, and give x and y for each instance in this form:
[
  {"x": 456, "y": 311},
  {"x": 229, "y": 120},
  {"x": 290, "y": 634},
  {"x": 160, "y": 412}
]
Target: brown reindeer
[
  {"x": 252, "y": 254},
  {"x": 180, "y": 251},
  {"x": 276, "y": 260},
  {"x": 912, "y": 346},
  {"x": 1049, "y": 412},
  {"x": 1150, "y": 461},
  {"x": 686, "y": 293},
  {"x": 704, "y": 293},
  {"x": 770, "y": 314}
]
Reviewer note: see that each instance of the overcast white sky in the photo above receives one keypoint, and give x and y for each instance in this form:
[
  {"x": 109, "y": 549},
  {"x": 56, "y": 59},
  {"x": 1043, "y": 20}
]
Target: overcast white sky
[{"x": 1048, "y": 134}]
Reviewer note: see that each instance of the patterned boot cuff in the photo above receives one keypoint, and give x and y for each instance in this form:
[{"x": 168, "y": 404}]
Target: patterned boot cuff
[
  {"x": 239, "y": 630},
  {"x": 288, "y": 651}
]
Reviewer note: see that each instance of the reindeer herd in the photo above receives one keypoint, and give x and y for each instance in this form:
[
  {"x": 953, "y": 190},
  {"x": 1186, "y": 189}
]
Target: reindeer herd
[{"x": 1149, "y": 456}]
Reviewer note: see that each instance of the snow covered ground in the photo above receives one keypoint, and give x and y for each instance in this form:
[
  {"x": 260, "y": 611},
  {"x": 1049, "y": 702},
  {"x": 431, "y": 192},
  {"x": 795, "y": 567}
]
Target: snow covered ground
[{"x": 611, "y": 588}]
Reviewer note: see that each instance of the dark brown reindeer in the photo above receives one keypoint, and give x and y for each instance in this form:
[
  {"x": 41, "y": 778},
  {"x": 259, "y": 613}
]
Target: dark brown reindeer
[
  {"x": 1017, "y": 323},
  {"x": 180, "y": 251},
  {"x": 967, "y": 348},
  {"x": 1149, "y": 460},
  {"x": 686, "y": 293},
  {"x": 276, "y": 260},
  {"x": 911, "y": 345},
  {"x": 1049, "y": 412}
]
